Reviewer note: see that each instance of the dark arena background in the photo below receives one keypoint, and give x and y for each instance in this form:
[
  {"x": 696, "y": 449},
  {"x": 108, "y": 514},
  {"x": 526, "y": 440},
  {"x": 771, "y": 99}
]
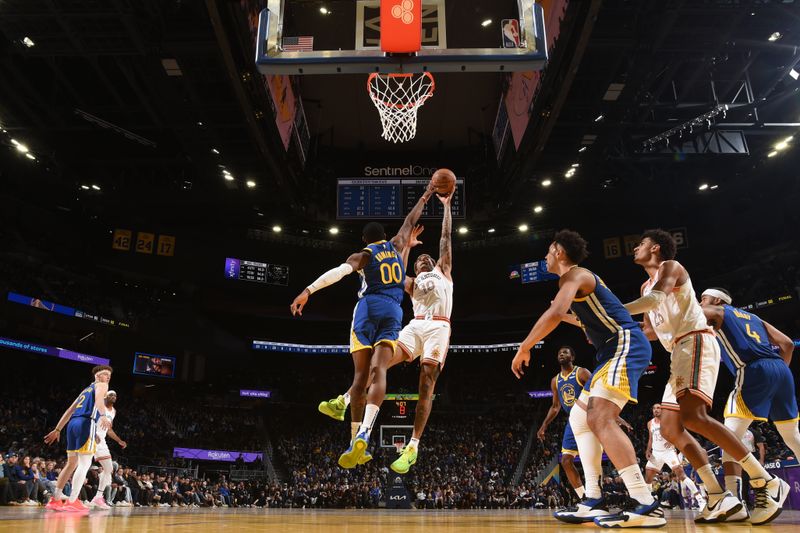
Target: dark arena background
[{"x": 164, "y": 198}]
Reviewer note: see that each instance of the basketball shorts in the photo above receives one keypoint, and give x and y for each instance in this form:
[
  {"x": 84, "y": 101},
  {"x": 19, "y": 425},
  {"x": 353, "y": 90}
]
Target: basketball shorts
[
  {"x": 764, "y": 389},
  {"x": 81, "y": 435},
  {"x": 102, "y": 450},
  {"x": 693, "y": 369},
  {"x": 622, "y": 361},
  {"x": 568, "y": 443},
  {"x": 659, "y": 459},
  {"x": 376, "y": 319},
  {"x": 428, "y": 339}
]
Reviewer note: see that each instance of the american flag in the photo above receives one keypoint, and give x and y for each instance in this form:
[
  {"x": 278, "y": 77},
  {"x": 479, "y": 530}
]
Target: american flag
[{"x": 304, "y": 43}]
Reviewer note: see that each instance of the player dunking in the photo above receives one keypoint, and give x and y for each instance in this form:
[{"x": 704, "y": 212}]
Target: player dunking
[
  {"x": 79, "y": 419},
  {"x": 764, "y": 387},
  {"x": 661, "y": 452},
  {"x": 377, "y": 320},
  {"x": 623, "y": 354},
  {"x": 673, "y": 316},
  {"x": 103, "y": 455},
  {"x": 566, "y": 387}
]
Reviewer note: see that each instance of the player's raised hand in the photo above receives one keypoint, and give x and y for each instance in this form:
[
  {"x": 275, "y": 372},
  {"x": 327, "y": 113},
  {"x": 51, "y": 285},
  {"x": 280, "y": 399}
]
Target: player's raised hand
[
  {"x": 445, "y": 199},
  {"x": 523, "y": 357},
  {"x": 53, "y": 436},
  {"x": 299, "y": 302},
  {"x": 416, "y": 231}
]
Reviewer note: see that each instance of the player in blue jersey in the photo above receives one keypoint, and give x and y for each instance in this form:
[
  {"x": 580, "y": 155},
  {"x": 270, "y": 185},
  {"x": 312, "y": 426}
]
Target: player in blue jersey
[
  {"x": 623, "y": 354},
  {"x": 765, "y": 387},
  {"x": 566, "y": 386},
  {"x": 377, "y": 320},
  {"x": 81, "y": 420}
]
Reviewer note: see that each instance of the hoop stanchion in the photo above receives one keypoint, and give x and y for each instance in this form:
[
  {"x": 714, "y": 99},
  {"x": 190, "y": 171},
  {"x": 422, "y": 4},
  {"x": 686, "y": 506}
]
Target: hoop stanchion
[{"x": 398, "y": 97}]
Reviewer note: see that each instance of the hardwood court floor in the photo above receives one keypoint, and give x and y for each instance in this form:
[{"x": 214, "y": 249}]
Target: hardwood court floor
[{"x": 27, "y": 520}]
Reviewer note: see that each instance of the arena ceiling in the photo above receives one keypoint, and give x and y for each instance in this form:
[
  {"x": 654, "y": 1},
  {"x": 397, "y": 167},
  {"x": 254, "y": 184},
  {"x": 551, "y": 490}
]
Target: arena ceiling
[{"x": 137, "y": 97}]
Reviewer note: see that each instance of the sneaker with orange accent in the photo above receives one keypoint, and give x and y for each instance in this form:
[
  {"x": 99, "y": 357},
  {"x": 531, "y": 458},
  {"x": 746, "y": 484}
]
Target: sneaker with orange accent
[
  {"x": 74, "y": 507},
  {"x": 54, "y": 504},
  {"x": 98, "y": 502}
]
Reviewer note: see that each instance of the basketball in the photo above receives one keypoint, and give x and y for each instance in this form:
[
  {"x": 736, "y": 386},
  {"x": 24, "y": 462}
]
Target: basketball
[{"x": 444, "y": 181}]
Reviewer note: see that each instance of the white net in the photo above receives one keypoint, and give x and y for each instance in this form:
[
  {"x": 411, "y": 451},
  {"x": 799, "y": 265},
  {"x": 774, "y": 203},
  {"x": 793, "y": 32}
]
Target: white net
[{"x": 397, "y": 97}]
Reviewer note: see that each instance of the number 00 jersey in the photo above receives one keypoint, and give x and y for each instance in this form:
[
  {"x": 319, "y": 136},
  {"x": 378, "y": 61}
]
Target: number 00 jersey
[
  {"x": 384, "y": 273},
  {"x": 433, "y": 295}
]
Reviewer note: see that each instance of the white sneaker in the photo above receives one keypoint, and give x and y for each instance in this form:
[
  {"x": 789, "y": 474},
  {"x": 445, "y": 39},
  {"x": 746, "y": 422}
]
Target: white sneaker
[
  {"x": 586, "y": 511},
  {"x": 742, "y": 516},
  {"x": 719, "y": 508},
  {"x": 634, "y": 514},
  {"x": 30, "y": 503},
  {"x": 769, "y": 499}
]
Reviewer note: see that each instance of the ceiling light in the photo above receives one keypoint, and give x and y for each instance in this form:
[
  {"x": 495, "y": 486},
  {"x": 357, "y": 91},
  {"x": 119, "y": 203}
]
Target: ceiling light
[
  {"x": 226, "y": 172},
  {"x": 22, "y": 148},
  {"x": 334, "y": 230},
  {"x": 523, "y": 227},
  {"x": 780, "y": 146},
  {"x": 575, "y": 165},
  {"x": 486, "y": 22},
  {"x": 599, "y": 118},
  {"x": 538, "y": 209},
  {"x": 27, "y": 41},
  {"x": 199, "y": 123},
  {"x": 772, "y": 153},
  {"x": 703, "y": 187},
  {"x": 215, "y": 151},
  {"x": 85, "y": 187},
  {"x": 546, "y": 183},
  {"x": 15, "y": 142},
  {"x": 259, "y": 213},
  {"x": 250, "y": 184},
  {"x": 324, "y": 10},
  {"x": 789, "y": 139},
  {"x": 774, "y": 37},
  {"x": 228, "y": 177},
  {"x": 30, "y": 156},
  {"x": 491, "y": 230},
  {"x": 714, "y": 187},
  {"x": 277, "y": 229},
  {"x": 96, "y": 187},
  {"x": 462, "y": 230},
  {"x": 794, "y": 74},
  {"x": 581, "y": 149}
]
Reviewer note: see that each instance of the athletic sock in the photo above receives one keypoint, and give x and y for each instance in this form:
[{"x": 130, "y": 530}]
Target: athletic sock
[
  {"x": 580, "y": 492},
  {"x": 591, "y": 453},
  {"x": 354, "y": 429},
  {"x": 84, "y": 463},
  {"x": 634, "y": 482},
  {"x": 413, "y": 443},
  {"x": 346, "y": 397},
  {"x": 105, "y": 476},
  {"x": 370, "y": 415},
  {"x": 689, "y": 485},
  {"x": 58, "y": 494},
  {"x": 754, "y": 469},
  {"x": 734, "y": 485},
  {"x": 710, "y": 480}
]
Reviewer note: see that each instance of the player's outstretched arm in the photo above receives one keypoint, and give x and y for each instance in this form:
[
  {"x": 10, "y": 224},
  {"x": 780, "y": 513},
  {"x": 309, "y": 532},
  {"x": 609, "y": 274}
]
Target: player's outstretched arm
[
  {"x": 670, "y": 274},
  {"x": 552, "y": 413},
  {"x": 570, "y": 285},
  {"x": 445, "y": 262},
  {"x": 408, "y": 283},
  {"x": 781, "y": 340},
  {"x": 404, "y": 234},
  {"x": 355, "y": 262},
  {"x": 113, "y": 435},
  {"x": 55, "y": 435}
]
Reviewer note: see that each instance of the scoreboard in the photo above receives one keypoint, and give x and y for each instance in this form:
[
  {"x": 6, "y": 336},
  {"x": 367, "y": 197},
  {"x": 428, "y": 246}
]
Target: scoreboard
[
  {"x": 390, "y": 198},
  {"x": 242, "y": 270},
  {"x": 535, "y": 272}
]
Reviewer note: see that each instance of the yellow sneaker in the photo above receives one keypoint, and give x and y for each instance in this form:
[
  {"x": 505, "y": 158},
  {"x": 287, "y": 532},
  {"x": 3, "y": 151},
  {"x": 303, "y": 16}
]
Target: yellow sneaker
[
  {"x": 408, "y": 457},
  {"x": 334, "y": 408},
  {"x": 353, "y": 455},
  {"x": 367, "y": 457}
]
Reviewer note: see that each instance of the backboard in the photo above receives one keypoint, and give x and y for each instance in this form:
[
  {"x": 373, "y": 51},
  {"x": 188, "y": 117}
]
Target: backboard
[{"x": 344, "y": 37}]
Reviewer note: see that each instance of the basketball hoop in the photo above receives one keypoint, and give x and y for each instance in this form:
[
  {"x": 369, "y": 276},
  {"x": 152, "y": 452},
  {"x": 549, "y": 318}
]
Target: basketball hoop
[{"x": 397, "y": 97}]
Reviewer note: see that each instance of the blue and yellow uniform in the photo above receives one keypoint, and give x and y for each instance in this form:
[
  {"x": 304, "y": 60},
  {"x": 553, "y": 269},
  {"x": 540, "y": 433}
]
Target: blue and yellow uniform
[
  {"x": 568, "y": 388},
  {"x": 378, "y": 316},
  {"x": 764, "y": 384},
  {"x": 623, "y": 352},
  {"x": 82, "y": 425}
]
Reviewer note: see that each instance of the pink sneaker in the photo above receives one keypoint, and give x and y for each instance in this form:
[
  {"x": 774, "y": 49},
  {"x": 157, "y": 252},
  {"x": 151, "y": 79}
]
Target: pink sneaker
[
  {"x": 74, "y": 507},
  {"x": 54, "y": 504},
  {"x": 98, "y": 502}
]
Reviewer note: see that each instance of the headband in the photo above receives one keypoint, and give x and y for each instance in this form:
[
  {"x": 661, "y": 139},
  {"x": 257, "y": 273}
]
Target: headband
[{"x": 714, "y": 293}]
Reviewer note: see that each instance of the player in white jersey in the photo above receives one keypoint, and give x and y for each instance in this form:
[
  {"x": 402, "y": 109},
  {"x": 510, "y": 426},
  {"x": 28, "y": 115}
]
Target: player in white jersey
[
  {"x": 661, "y": 452},
  {"x": 673, "y": 315},
  {"x": 103, "y": 455}
]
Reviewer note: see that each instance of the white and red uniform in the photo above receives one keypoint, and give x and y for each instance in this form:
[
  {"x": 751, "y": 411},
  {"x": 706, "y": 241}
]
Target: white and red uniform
[
  {"x": 102, "y": 450},
  {"x": 428, "y": 334},
  {"x": 663, "y": 452},
  {"x": 683, "y": 330}
]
